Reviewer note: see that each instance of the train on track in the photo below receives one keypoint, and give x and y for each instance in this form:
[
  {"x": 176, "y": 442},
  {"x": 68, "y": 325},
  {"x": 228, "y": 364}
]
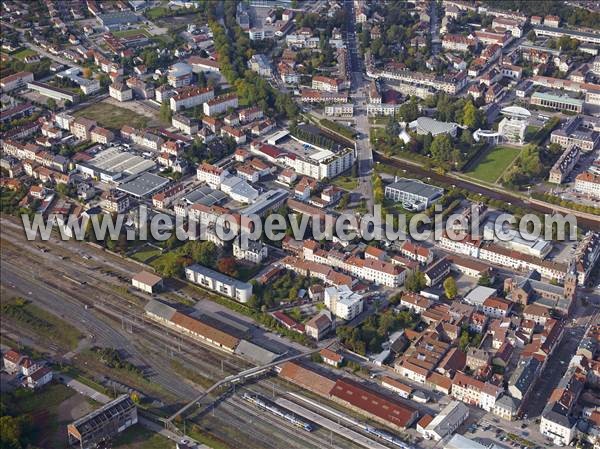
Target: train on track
[
  {"x": 269, "y": 406},
  {"x": 386, "y": 437}
]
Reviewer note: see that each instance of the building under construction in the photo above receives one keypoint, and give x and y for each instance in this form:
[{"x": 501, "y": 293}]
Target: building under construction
[{"x": 103, "y": 424}]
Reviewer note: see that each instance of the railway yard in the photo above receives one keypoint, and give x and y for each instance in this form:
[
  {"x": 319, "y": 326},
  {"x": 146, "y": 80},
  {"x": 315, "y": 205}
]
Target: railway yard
[{"x": 62, "y": 281}]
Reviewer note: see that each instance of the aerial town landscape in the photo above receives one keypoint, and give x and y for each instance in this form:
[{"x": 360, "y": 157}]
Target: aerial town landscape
[{"x": 286, "y": 224}]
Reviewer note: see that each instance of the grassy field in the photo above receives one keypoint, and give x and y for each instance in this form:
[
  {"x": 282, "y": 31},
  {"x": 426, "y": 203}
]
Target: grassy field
[
  {"x": 22, "y": 54},
  {"x": 128, "y": 33},
  {"x": 145, "y": 254},
  {"x": 113, "y": 117},
  {"x": 345, "y": 182},
  {"x": 491, "y": 166},
  {"x": 40, "y": 322}
]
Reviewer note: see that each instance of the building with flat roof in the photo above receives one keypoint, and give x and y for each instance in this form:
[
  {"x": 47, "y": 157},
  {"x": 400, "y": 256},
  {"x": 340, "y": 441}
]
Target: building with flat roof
[
  {"x": 143, "y": 184},
  {"x": 218, "y": 282},
  {"x": 343, "y": 302},
  {"x": 104, "y": 423},
  {"x": 581, "y": 36},
  {"x": 415, "y": 195},
  {"x": 266, "y": 202},
  {"x": 113, "y": 163},
  {"x": 53, "y": 92},
  {"x": 117, "y": 20},
  {"x": 558, "y": 102}
]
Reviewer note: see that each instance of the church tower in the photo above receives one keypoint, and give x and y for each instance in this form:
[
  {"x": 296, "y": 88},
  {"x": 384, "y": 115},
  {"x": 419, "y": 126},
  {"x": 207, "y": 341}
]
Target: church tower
[{"x": 570, "y": 285}]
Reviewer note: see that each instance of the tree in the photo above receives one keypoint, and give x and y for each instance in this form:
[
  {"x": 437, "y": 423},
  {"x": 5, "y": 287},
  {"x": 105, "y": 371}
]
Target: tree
[
  {"x": 415, "y": 282},
  {"x": 441, "y": 148},
  {"x": 51, "y": 103},
  {"x": 450, "y": 288},
  {"x": 87, "y": 72},
  {"x": 228, "y": 266},
  {"x": 469, "y": 115},
  {"x": 204, "y": 253},
  {"x": 485, "y": 280},
  {"x": 531, "y": 36}
]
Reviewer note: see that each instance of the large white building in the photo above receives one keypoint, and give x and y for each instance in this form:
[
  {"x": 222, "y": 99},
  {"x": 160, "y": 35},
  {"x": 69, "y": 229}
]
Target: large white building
[
  {"x": 343, "y": 302},
  {"x": 211, "y": 174},
  {"x": 190, "y": 97},
  {"x": 218, "y": 282},
  {"x": 414, "y": 195},
  {"x": 220, "y": 104},
  {"x": 512, "y": 127},
  {"x": 588, "y": 184}
]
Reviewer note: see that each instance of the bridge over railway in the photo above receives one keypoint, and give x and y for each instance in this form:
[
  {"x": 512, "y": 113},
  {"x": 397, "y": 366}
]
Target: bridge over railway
[{"x": 234, "y": 379}]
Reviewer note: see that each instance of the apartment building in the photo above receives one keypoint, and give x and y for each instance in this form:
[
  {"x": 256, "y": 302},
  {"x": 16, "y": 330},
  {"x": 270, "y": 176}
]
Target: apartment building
[
  {"x": 456, "y": 42},
  {"x": 81, "y": 128},
  {"x": 101, "y": 135},
  {"x": 451, "y": 83},
  {"x": 563, "y": 166},
  {"x": 190, "y": 97},
  {"x": 343, "y": 302},
  {"x": 557, "y": 421},
  {"x": 474, "y": 392},
  {"x": 588, "y": 184},
  {"x": 218, "y": 282},
  {"x": 179, "y": 75},
  {"x": 211, "y": 174},
  {"x": 582, "y": 131},
  {"x": 220, "y": 104},
  {"x": 422, "y": 357},
  {"x": 15, "y": 81},
  {"x": 115, "y": 201},
  {"x": 326, "y": 83},
  {"x": 120, "y": 91}
]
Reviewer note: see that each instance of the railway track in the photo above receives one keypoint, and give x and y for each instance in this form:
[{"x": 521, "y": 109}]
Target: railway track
[{"x": 90, "y": 289}]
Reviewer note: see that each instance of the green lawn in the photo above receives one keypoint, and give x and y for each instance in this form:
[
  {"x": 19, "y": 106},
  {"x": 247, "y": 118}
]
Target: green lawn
[
  {"x": 491, "y": 166},
  {"x": 145, "y": 254},
  {"x": 345, "y": 182},
  {"x": 113, "y": 117},
  {"x": 22, "y": 54},
  {"x": 128, "y": 33}
]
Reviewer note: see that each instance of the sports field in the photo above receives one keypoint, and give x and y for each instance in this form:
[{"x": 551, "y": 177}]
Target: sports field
[{"x": 493, "y": 163}]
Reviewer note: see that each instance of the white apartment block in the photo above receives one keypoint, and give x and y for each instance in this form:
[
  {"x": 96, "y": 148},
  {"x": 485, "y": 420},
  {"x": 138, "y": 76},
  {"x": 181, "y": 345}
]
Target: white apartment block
[
  {"x": 588, "y": 184},
  {"x": 120, "y": 92},
  {"x": 220, "y": 104},
  {"x": 343, "y": 302},
  {"x": 386, "y": 109},
  {"x": 339, "y": 110},
  {"x": 191, "y": 97},
  {"x": 211, "y": 174},
  {"x": 329, "y": 166},
  {"x": 325, "y": 83},
  {"x": 475, "y": 392},
  {"x": 218, "y": 282}
]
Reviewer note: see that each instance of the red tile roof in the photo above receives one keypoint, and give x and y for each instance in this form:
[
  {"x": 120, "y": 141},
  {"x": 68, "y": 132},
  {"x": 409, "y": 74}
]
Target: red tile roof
[{"x": 374, "y": 403}]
